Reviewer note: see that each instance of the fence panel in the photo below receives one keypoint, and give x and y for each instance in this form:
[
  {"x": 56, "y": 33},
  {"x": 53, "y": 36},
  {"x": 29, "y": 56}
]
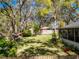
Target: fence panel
[{"x": 43, "y": 57}]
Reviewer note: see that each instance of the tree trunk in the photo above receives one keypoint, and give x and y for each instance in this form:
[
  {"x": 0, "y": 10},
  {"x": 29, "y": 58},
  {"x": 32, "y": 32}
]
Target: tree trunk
[{"x": 13, "y": 25}]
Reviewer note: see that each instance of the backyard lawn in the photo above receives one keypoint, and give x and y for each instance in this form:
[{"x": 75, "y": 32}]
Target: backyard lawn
[
  {"x": 41, "y": 45},
  {"x": 42, "y": 38}
]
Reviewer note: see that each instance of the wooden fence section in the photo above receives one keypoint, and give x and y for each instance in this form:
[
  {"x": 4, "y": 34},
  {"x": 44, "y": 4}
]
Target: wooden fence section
[{"x": 43, "y": 57}]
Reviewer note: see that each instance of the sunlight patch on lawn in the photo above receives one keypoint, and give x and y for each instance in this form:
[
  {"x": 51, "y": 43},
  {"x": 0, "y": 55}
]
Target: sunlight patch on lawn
[{"x": 42, "y": 38}]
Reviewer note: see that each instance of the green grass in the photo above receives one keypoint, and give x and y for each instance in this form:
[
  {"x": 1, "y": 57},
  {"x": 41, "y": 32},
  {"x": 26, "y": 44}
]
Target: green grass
[
  {"x": 32, "y": 41},
  {"x": 43, "y": 38},
  {"x": 39, "y": 45}
]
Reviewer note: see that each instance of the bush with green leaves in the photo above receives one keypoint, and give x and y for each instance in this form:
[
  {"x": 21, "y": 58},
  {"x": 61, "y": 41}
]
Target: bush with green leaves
[
  {"x": 36, "y": 28},
  {"x": 7, "y": 47},
  {"x": 26, "y": 33},
  {"x": 54, "y": 38}
]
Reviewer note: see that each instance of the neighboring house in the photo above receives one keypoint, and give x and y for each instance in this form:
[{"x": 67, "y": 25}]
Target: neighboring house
[
  {"x": 46, "y": 30},
  {"x": 50, "y": 30}
]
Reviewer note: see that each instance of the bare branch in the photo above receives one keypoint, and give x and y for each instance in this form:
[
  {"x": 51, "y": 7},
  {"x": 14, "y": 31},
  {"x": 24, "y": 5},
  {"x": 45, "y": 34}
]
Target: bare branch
[{"x": 23, "y": 2}]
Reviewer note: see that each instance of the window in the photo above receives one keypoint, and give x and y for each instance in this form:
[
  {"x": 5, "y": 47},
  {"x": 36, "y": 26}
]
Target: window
[
  {"x": 77, "y": 35},
  {"x": 71, "y": 34},
  {"x": 63, "y": 33}
]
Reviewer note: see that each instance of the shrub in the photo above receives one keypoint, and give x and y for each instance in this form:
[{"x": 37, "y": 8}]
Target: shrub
[
  {"x": 54, "y": 38},
  {"x": 36, "y": 28},
  {"x": 7, "y": 48},
  {"x": 26, "y": 33}
]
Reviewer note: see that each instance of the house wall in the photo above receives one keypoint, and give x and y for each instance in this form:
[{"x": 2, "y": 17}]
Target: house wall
[{"x": 46, "y": 31}]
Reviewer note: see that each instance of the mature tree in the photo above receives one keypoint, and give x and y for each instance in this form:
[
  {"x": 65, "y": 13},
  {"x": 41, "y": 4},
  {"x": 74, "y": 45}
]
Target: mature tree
[
  {"x": 69, "y": 10},
  {"x": 44, "y": 7},
  {"x": 14, "y": 16}
]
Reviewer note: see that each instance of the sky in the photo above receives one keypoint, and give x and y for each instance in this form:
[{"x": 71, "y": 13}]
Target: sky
[
  {"x": 74, "y": 6},
  {"x": 33, "y": 3},
  {"x": 12, "y": 3},
  {"x": 1, "y": 5},
  {"x": 77, "y": 10}
]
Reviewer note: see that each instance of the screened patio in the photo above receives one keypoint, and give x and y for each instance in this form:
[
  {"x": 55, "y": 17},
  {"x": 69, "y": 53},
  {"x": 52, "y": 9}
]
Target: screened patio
[{"x": 70, "y": 34}]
